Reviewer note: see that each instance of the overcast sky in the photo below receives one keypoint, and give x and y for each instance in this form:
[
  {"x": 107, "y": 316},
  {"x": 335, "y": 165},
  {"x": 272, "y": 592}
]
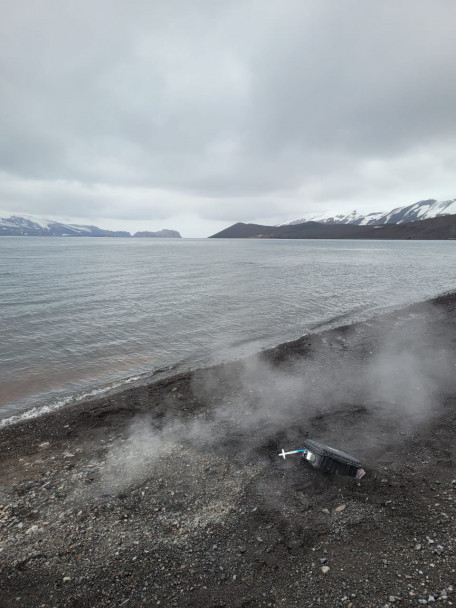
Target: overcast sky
[{"x": 195, "y": 114}]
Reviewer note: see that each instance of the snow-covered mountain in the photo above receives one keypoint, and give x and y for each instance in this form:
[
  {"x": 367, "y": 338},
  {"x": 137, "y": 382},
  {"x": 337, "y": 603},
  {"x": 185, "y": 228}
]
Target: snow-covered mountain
[
  {"x": 27, "y": 225},
  {"x": 418, "y": 211}
]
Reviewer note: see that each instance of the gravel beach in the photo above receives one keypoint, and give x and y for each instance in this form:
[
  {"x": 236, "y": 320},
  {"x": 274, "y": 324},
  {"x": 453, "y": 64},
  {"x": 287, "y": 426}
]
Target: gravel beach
[{"x": 173, "y": 494}]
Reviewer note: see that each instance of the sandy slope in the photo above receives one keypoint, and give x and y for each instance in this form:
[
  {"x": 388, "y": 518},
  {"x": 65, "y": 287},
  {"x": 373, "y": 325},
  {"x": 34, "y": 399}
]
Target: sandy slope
[{"x": 173, "y": 494}]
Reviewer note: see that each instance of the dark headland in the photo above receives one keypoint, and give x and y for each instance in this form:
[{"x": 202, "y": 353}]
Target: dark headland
[
  {"x": 172, "y": 494},
  {"x": 160, "y": 234},
  {"x": 437, "y": 228}
]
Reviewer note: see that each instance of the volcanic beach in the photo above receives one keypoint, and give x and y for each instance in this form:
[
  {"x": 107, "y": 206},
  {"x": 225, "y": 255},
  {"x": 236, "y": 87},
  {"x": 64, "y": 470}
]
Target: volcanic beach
[{"x": 173, "y": 494}]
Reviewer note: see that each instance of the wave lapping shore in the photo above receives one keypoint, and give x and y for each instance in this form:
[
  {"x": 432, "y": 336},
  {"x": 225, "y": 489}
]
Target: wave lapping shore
[{"x": 173, "y": 494}]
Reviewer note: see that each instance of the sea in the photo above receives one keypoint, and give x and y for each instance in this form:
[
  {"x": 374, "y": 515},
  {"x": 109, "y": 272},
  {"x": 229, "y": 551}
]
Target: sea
[{"x": 81, "y": 317}]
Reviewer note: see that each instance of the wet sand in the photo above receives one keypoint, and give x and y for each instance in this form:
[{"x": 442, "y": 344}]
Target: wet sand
[{"x": 173, "y": 494}]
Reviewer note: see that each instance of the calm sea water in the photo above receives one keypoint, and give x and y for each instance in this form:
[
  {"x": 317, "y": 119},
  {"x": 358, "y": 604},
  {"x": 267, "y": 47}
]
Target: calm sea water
[{"x": 84, "y": 315}]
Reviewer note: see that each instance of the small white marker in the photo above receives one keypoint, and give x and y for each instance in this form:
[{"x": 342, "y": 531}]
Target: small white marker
[{"x": 285, "y": 454}]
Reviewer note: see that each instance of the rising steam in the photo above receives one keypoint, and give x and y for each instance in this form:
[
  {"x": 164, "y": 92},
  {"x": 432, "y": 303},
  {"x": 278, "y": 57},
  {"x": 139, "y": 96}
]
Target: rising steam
[{"x": 394, "y": 371}]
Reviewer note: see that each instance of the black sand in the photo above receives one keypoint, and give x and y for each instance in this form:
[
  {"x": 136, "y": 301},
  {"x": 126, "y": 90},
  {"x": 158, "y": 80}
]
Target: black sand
[{"x": 173, "y": 494}]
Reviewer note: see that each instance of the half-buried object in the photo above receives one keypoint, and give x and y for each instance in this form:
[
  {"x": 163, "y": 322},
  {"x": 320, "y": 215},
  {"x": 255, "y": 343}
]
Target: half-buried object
[{"x": 329, "y": 460}]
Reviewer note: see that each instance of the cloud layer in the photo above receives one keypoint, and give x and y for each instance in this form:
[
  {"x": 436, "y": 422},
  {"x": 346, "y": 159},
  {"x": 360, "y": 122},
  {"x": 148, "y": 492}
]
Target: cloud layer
[{"x": 215, "y": 112}]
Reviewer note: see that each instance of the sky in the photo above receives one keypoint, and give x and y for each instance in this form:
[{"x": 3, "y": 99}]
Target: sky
[{"x": 146, "y": 114}]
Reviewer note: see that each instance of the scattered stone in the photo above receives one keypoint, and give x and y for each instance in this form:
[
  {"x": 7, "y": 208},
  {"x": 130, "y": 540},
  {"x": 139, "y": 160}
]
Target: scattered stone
[
  {"x": 32, "y": 530},
  {"x": 181, "y": 527},
  {"x": 325, "y": 569}
]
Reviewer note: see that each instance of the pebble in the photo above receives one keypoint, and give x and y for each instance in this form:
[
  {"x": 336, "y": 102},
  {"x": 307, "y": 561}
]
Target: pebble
[
  {"x": 32, "y": 529},
  {"x": 325, "y": 569},
  {"x": 340, "y": 508}
]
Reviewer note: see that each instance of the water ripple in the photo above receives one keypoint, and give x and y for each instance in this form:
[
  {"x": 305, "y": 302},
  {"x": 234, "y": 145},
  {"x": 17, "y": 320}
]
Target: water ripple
[{"x": 80, "y": 314}]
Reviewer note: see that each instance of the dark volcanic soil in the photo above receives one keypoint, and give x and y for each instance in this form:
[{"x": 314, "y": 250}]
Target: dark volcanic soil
[{"x": 173, "y": 494}]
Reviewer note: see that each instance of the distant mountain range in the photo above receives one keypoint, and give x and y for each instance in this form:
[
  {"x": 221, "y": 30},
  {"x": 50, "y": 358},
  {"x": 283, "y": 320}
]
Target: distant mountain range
[
  {"x": 429, "y": 219},
  {"x": 26, "y": 225},
  {"x": 437, "y": 228},
  {"x": 422, "y": 210}
]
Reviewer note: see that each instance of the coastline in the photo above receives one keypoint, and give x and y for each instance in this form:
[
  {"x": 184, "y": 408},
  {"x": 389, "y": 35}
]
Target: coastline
[{"x": 172, "y": 493}]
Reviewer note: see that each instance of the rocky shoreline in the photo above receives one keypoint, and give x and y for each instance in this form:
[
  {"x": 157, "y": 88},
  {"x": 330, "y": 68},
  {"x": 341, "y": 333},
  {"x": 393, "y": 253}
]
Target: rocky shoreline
[{"x": 172, "y": 494}]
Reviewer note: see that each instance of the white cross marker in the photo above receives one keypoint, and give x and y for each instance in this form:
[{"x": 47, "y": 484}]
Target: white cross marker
[{"x": 285, "y": 454}]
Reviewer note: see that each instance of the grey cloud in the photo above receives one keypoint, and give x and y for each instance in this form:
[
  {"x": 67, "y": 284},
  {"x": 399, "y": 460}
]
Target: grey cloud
[
  {"x": 245, "y": 104},
  {"x": 79, "y": 200},
  {"x": 351, "y": 69}
]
